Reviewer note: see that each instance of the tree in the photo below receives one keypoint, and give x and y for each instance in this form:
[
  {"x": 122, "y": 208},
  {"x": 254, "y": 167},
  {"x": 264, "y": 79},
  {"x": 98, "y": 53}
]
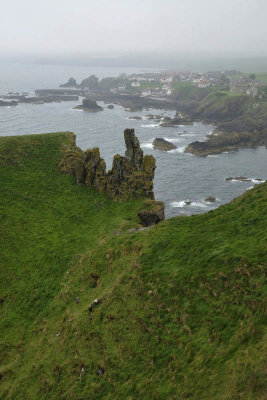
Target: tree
[{"x": 252, "y": 76}]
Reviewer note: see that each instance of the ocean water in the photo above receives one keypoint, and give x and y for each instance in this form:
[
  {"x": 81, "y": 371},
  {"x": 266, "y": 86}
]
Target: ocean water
[{"x": 179, "y": 176}]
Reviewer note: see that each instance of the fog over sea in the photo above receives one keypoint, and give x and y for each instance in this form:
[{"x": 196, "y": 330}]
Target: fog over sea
[{"x": 179, "y": 176}]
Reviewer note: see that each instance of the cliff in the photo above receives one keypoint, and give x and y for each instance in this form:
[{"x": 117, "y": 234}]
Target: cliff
[{"x": 93, "y": 307}]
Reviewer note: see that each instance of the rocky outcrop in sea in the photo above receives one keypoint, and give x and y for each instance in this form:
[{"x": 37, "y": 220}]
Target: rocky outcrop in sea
[
  {"x": 89, "y": 105},
  {"x": 163, "y": 145}
]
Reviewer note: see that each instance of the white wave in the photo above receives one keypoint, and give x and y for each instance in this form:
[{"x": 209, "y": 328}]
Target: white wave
[
  {"x": 178, "y": 150},
  {"x": 183, "y": 203},
  {"x": 147, "y": 145},
  {"x": 198, "y": 204},
  {"x": 187, "y": 134},
  {"x": 150, "y": 126},
  {"x": 213, "y": 155},
  {"x": 173, "y": 139},
  {"x": 251, "y": 187},
  {"x": 76, "y": 109},
  {"x": 253, "y": 180},
  {"x": 178, "y": 204}
]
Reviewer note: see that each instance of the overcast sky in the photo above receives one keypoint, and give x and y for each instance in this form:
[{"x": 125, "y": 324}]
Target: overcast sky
[{"x": 114, "y": 26}]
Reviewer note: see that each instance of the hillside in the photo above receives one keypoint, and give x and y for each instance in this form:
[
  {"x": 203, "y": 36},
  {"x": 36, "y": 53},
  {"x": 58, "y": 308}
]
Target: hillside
[{"x": 180, "y": 310}]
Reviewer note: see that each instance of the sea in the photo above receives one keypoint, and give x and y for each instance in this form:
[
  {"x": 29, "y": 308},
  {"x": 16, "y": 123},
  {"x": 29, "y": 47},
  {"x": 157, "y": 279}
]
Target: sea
[{"x": 182, "y": 180}]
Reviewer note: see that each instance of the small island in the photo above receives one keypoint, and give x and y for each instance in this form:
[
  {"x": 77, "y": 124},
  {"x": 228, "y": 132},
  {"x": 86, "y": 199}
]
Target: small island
[
  {"x": 163, "y": 145},
  {"x": 89, "y": 106}
]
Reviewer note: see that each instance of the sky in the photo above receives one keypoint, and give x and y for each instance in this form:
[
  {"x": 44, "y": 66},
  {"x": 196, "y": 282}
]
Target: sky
[{"x": 114, "y": 27}]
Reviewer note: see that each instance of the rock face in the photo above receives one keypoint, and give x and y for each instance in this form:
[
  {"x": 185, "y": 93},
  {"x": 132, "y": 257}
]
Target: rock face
[
  {"x": 130, "y": 177},
  {"x": 70, "y": 84},
  {"x": 133, "y": 153},
  {"x": 163, "y": 145},
  {"x": 89, "y": 105},
  {"x": 153, "y": 215}
]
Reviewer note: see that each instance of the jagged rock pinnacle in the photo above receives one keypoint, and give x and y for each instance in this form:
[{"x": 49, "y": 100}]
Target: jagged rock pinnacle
[{"x": 133, "y": 152}]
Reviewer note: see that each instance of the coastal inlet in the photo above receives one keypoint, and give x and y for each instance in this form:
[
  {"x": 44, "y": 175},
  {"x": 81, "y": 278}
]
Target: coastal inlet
[{"x": 182, "y": 180}]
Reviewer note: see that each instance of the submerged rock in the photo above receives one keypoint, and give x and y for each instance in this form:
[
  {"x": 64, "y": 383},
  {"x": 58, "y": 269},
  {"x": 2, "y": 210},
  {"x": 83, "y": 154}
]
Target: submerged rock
[
  {"x": 110, "y": 106},
  {"x": 163, "y": 145},
  {"x": 179, "y": 119},
  {"x": 135, "y": 117},
  {"x": 152, "y": 116},
  {"x": 210, "y": 199},
  {"x": 238, "y": 178}
]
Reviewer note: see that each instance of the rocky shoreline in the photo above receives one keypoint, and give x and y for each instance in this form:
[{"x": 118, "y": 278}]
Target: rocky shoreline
[
  {"x": 234, "y": 128},
  {"x": 239, "y": 123}
]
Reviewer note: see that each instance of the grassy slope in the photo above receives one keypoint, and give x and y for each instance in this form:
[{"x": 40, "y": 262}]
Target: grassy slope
[{"x": 181, "y": 313}]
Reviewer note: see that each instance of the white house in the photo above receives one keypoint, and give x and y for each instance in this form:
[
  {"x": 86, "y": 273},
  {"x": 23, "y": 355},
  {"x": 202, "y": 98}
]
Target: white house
[
  {"x": 135, "y": 84},
  {"x": 252, "y": 91},
  {"x": 168, "y": 79},
  {"x": 146, "y": 93},
  {"x": 203, "y": 83}
]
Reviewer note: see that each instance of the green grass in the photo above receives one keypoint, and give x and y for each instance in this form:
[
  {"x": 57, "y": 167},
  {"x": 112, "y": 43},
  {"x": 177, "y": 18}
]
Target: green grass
[{"x": 181, "y": 304}]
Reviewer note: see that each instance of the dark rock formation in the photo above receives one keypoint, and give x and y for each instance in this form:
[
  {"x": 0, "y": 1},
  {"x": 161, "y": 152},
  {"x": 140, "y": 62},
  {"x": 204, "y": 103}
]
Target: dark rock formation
[
  {"x": 239, "y": 178},
  {"x": 133, "y": 152},
  {"x": 163, "y": 145},
  {"x": 60, "y": 92},
  {"x": 90, "y": 83},
  {"x": 153, "y": 215},
  {"x": 135, "y": 117},
  {"x": 48, "y": 99},
  {"x": 7, "y": 103},
  {"x": 89, "y": 105},
  {"x": 110, "y": 106},
  {"x": 179, "y": 119},
  {"x": 130, "y": 177},
  {"x": 73, "y": 163},
  {"x": 210, "y": 199},
  {"x": 70, "y": 84},
  {"x": 227, "y": 142},
  {"x": 152, "y": 116}
]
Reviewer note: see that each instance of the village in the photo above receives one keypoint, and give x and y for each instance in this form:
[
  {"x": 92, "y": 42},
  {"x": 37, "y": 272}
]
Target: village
[{"x": 163, "y": 84}]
